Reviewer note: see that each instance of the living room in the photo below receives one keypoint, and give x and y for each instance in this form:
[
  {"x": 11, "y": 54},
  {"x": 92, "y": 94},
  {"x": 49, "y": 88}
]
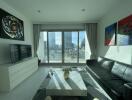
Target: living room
[{"x": 88, "y": 47}]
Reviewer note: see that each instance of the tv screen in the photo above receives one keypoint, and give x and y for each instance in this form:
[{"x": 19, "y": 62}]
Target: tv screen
[
  {"x": 14, "y": 52},
  {"x": 29, "y": 51},
  {"x": 25, "y": 51},
  {"x": 19, "y": 52}
]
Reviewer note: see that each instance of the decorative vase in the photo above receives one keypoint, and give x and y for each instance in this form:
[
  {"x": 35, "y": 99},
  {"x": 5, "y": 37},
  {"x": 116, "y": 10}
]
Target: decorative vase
[{"x": 66, "y": 74}]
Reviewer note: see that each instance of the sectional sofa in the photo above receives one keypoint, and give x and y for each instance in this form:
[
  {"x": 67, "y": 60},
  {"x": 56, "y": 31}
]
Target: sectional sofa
[{"x": 115, "y": 77}]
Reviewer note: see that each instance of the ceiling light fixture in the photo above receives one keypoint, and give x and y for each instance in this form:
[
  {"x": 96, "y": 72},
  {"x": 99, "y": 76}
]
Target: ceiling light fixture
[
  {"x": 83, "y": 10},
  {"x": 38, "y": 11}
]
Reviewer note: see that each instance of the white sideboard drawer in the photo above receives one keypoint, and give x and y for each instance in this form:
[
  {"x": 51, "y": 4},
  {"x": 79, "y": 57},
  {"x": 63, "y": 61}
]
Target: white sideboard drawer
[{"x": 14, "y": 74}]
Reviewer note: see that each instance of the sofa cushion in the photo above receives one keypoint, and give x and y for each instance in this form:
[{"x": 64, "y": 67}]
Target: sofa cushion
[
  {"x": 127, "y": 91},
  {"x": 116, "y": 85},
  {"x": 101, "y": 72},
  {"x": 110, "y": 77},
  {"x": 107, "y": 64},
  {"x": 118, "y": 69},
  {"x": 128, "y": 74},
  {"x": 100, "y": 59}
]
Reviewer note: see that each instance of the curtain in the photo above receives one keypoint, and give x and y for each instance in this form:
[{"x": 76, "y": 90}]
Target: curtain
[
  {"x": 91, "y": 30},
  {"x": 36, "y": 32}
]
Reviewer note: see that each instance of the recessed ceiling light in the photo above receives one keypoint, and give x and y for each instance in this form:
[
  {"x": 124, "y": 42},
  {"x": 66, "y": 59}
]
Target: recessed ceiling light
[
  {"x": 83, "y": 10},
  {"x": 38, "y": 11}
]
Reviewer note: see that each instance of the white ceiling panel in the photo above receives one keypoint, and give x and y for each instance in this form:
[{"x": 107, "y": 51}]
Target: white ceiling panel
[{"x": 63, "y": 10}]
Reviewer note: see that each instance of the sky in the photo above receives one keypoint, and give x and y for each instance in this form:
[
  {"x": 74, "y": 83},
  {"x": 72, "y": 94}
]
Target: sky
[{"x": 75, "y": 37}]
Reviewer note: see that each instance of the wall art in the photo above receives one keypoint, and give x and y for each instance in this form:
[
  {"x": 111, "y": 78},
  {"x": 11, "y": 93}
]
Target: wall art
[
  {"x": 10, "y": 26},
  {"x": 124, "y": 35},
  {"x": 110, "y": 34}
]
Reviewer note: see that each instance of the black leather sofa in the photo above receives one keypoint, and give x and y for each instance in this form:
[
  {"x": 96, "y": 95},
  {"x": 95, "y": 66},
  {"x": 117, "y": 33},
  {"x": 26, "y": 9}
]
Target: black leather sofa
[{"x": 113, "y": 76}]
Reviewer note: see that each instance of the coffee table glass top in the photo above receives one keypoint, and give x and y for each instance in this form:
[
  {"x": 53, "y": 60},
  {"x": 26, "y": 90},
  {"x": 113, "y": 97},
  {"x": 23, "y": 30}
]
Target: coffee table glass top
[{"x": 56, "y": 84}]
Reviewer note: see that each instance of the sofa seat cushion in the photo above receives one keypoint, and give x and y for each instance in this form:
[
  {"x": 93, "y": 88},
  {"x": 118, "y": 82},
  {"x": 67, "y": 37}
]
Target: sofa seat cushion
[
  {"x": 107, "y": 64},
  {"x": 117, "y": 85},
  {"x": 110, "y": 77},
  {"x": 99, "y": 71},
  {"x": 103, "y": 74}
]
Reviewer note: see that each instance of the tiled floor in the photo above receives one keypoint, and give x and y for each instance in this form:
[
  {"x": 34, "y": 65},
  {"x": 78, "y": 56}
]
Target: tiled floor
[{"x": 27, "y": 89}]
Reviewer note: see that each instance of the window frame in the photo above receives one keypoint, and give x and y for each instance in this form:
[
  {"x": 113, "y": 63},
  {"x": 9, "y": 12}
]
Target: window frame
[{"x": 62, "y": 31}]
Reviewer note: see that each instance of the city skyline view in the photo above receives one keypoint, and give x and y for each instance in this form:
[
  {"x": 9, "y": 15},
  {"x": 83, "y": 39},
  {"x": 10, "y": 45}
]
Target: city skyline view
[
  {"x": 73, "y": 47},
  {"x": 58, "y": 37}
]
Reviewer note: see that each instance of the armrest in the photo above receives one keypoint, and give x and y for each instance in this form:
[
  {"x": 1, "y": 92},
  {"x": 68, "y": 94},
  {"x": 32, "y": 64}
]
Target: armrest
[
  {"x": 128, "y": 85},
  {"x": 127, "y": 91},
  {"x": 91, "y": 61}
]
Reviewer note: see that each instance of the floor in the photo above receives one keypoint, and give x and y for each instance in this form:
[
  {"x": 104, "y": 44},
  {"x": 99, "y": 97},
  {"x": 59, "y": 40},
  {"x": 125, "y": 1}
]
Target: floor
[{"x": 27, "y": 89}]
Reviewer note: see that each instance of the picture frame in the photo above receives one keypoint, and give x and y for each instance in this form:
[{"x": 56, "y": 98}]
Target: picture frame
[
  {"x": 124, "y": 35},
  {"x": 110, "y": 35},
  {"x": 11, "y": 27}
]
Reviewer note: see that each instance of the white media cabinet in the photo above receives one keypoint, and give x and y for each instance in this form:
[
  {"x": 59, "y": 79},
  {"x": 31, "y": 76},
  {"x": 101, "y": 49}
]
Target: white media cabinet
[{"x": 13, "y": 74}]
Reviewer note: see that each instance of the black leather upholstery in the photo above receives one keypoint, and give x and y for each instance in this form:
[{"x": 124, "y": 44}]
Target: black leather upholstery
[
  {"x": 128, "y": 91},
  {"x": 113, "y": 75},
  {"x": 118, "y": 69},
  {"x": 128, "y": 74}
]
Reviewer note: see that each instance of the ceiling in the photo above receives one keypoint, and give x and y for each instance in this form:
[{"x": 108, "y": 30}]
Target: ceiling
[{"x": 56, "y": 11}]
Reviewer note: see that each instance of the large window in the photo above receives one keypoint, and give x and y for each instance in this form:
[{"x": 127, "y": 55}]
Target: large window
[
  {"x": 55, "y": 47},
  {"x": 64, "y": 46},
  {"x": 70, "y": 47},
  {"x": 45, "y": 50}
]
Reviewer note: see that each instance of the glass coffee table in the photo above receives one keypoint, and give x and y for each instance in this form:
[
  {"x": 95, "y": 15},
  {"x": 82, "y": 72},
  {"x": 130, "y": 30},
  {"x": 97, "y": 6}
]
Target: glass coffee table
[{"x": 55, "y": 84}]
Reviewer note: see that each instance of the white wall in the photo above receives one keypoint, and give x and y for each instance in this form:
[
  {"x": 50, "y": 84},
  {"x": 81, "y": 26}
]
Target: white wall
[
  {"x": 119, "y": 53},
  {"x": 28, "y": 30}
]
